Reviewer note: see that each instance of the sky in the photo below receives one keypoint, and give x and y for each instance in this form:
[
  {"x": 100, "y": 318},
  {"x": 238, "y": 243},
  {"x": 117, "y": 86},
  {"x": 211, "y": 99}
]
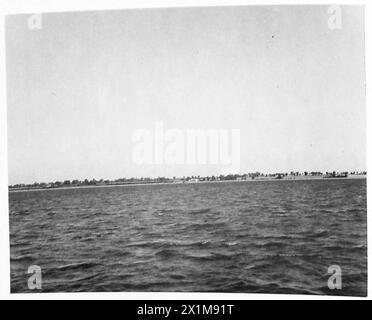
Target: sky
[{"x": 79, "y": 87}]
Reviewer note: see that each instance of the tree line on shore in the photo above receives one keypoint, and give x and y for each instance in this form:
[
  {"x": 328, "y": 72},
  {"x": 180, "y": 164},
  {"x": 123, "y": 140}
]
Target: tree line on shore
[{"x": 253, "y": 175}]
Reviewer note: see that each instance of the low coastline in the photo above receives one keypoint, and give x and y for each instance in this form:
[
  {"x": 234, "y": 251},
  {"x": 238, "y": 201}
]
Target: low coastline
[{"x": 128, "y": 184}]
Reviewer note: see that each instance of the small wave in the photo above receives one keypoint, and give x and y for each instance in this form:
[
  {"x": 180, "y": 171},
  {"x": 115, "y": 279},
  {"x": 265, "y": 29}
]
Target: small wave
[
  {"x": 165, "y": 210},
  {"x": 272, "y": 244},
  {"x": 280, "y": 213},
  {"x": 167, "y": 253},
  {"x": 212, "y": 256},
  {"x": 199, "y": 211},
  {"x": 236, "y": 286},
  {"x": 177, "y": 276},
  {"x": 206, "y": 225},
  {"x": 201, "y": 256},
  {"x": 86, "y": 237},
  {"x": 23, "y": 212},
  {"x": 23, "y": 244},
  {"x": 78, "y": 265},
  {"x": 21, "y": 258},
  {"x": 320, "y": 233}
]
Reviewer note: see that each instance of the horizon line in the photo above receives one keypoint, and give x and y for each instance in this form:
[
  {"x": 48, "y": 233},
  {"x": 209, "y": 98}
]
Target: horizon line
[{"x": 141, "y": 178}]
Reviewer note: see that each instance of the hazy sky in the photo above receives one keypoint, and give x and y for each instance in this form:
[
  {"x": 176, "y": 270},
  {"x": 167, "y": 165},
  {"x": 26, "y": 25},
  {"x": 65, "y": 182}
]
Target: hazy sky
[{"x": 81, "y": 85}]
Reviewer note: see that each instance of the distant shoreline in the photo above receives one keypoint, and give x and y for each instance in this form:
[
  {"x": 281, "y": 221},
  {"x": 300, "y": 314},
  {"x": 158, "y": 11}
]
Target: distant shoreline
[{"x": 257, "y": 179}]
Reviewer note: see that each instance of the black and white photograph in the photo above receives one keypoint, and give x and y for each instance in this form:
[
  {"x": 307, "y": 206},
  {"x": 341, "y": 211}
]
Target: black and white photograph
[{"x": 216, "y": 149}]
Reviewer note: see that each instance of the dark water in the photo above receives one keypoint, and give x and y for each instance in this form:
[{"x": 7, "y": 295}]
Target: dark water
[{"x": 263, "y": 236}]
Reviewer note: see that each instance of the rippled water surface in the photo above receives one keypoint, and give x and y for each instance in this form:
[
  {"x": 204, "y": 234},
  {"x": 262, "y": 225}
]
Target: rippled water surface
[{"x": 262, "y": 236}]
